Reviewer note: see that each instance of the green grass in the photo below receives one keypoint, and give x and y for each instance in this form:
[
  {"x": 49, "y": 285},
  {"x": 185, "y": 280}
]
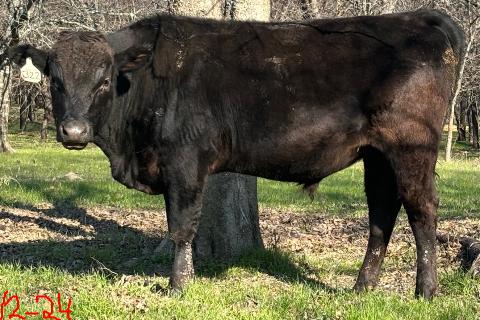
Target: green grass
[
  {"x": 260, "y": 285},
  {"x": 35, "y": 174},
  {"x": 238, "y": 293}
]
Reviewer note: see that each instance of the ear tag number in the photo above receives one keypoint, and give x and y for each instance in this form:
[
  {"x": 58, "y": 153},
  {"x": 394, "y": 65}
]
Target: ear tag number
[{"x": 30, "y": 73}]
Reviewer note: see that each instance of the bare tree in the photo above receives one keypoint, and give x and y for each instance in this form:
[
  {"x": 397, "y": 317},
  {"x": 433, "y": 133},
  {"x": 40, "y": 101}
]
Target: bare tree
[
  {"x": 458, "y": 87},
  {"x": 13, "y": 14},
  {"x": 4, "y": 109}
]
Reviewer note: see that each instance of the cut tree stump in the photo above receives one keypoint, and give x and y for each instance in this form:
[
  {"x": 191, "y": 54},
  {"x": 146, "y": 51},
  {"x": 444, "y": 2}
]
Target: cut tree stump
[
  {"x": 445, "y": 238},
  {"x": 469, "y": 254}
]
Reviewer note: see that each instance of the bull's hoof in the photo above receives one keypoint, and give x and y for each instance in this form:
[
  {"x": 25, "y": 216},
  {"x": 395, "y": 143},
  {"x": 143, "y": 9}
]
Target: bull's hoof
[
  {"x": 426, "y": 287},
  {"x": 182, "y": 271}
]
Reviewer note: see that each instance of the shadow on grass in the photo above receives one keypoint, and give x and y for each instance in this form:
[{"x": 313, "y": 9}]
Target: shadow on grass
[
  {"x": 281, "y": 265},
  {"x": 117, "y": 250}
]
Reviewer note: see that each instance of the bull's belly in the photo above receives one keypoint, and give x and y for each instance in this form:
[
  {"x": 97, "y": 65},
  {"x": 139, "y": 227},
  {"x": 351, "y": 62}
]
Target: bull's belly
[
  {"x": 303, "y": 143},
  {"x": 297, "y": 167}
]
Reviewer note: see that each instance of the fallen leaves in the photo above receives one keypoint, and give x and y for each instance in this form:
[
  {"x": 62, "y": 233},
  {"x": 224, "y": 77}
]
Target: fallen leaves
[{"x": 332, "y": 247}]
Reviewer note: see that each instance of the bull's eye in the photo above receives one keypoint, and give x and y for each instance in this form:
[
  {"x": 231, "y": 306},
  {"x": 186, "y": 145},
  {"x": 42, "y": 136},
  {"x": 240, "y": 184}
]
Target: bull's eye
[{"x": 106, "y": 84}]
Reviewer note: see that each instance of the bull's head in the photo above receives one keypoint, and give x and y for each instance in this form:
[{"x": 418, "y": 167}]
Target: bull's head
[{"x": 84, "y": 69}]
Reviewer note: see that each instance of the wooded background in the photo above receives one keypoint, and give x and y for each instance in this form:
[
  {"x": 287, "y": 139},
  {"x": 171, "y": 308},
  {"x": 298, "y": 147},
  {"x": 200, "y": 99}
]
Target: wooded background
[{"x": 39, "y": 22}]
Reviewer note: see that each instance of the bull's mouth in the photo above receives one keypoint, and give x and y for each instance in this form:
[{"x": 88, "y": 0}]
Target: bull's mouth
[{"x": 74, "y": 145}]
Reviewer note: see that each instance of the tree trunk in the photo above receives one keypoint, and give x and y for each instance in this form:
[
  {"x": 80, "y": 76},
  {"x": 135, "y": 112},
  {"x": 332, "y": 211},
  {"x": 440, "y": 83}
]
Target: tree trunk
[
  {"x": 258, "y": 10},
  {"x": 4, "y": 109},
  {"x": 458, "y": 87},
  {"x": 461, "y": 119},
  {"x": 44, "y": 129},
  {"x": 25, "y": 108},
  {"x": 229, "y": 224},
  {"x": 470, "y": 255},
  {"x": 196, "y": 8},
  {"x": 474, "y": 126},
  {"x": 309, "y": 9}
]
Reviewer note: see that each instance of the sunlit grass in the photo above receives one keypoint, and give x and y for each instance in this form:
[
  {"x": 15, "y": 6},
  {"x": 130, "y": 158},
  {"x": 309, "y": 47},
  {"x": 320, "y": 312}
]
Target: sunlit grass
[
  {"x": 260, "y": 285},
  {"x": 238, "y": 293},
  {"x": 36, "y": 172}
]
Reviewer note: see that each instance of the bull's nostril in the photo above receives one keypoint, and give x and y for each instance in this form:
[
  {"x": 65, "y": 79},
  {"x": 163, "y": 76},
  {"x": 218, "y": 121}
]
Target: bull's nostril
[{"x": 74, "y": 130}]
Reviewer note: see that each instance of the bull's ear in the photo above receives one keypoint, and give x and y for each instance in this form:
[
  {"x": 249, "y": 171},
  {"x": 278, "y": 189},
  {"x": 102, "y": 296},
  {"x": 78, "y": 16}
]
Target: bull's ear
[
  {"x": 132, "y": 59},
  {"x": 19, "y": 55}
]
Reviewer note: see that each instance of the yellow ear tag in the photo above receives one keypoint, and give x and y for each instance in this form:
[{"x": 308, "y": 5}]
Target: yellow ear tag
[{"x": 30, "y": 73}]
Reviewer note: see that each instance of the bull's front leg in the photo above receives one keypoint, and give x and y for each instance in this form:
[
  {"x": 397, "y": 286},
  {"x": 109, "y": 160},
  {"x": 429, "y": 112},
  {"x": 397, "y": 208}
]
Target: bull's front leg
[{"x": 183, "y": 201}]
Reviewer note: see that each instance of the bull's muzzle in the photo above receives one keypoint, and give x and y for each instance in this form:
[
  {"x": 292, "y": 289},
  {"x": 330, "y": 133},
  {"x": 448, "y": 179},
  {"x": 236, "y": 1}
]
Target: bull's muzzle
[{"x": 74, "y": 134}]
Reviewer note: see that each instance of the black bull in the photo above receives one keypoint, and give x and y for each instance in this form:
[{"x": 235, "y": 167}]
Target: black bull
[{"x": 171, "y": 100}]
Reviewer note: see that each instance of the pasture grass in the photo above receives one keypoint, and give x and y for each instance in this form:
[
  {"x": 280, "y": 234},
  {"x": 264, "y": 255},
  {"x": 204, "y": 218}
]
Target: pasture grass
[
  {"x": 38, "y": 173},
  {"x": 237, "y": 293},
  {"x": 260, "y": 285}
]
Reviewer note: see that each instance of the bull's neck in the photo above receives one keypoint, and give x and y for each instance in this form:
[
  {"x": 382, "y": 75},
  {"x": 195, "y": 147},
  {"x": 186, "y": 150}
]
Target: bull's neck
[
  {"x": 135, "y": 117},
  {"x": 130, "y": 127},
  {"x": 131, "y": 99}
]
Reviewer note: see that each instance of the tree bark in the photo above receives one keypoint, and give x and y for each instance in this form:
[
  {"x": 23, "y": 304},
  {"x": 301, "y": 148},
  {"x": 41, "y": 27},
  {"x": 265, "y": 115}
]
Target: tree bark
[
  {"x": 474, "y": 126},
  {"x": 4, "y": 109},
  {"x": 461, "y": 119},
  {"x": 229, "y": 224},
  {"x": 458, "y": 87},
  {"x": 44, "y": 129},
  {"x": 470, "y": 255}
]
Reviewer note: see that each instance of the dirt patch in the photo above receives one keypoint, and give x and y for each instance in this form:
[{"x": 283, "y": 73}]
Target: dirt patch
[
  {"x": 330, "y": 250},
  {"x": 340, "y": 243}
]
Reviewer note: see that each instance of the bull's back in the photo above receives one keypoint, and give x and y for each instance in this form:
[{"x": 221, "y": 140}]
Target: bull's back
[{"x": 302, "y": 98}]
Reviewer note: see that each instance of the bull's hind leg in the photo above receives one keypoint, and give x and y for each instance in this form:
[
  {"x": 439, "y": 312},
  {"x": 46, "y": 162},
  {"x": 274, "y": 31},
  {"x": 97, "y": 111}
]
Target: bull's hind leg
[
  {"x": 415, "y": 170},
  {"x": 383, "y": 206}
]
